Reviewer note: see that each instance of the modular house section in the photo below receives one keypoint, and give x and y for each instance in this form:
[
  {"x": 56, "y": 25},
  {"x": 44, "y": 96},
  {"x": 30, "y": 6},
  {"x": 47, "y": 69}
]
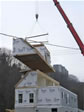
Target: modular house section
[
  {"x": 34, "y": 56},
  {"x": 38, "y": 92},
  {"x": 26, "y": 91},
  {"x": 49, "y": 99}
]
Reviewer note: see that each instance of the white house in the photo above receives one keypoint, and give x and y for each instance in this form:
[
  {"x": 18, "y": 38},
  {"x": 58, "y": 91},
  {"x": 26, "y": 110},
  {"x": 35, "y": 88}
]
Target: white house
[{"x": 37, "y": 92}]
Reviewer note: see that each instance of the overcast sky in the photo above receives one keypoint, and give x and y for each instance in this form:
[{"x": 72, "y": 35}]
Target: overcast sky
[{"x": 18, "y": 18}]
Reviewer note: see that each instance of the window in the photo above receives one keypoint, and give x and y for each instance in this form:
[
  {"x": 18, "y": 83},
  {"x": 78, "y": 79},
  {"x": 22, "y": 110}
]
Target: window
[
  {"x": 62, "y": 94},
  {"x": 20, "y": 98},
  {"x": 74, "y": 99},
  {"x": 31, "y": 97},
  {"x": 54, "y": 110},
  {"x": 65, "y": 97}
]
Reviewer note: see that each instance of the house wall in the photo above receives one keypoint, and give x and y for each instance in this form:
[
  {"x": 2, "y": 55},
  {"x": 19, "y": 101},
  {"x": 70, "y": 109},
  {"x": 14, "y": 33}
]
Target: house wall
[
  {"x": 44, "y": 109},
  {"x": 68, "y": 98},
  {"x": 25, "y": 102},
  {"x": 44, "y": 52},
  {"x": 49, "y": 83},
  {"x": 20, "y": 47},
  {"x": 30, "y": 80},
  {"x": 59, "y": 109},
  {"x": 25, "y": 109},
  {"x": 56, "y": 96},
  {"x": 48, "y": 96},
  {"x": 43, "y": 82}
]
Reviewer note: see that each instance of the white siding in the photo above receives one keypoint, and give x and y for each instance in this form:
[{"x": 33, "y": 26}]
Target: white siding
[
  {"x": 21, "y": 48},
  {"x": 68, "y": 98},
  {"x": 48, "y": 96},
  {"x": 25, "y": 92},
  {"x": 30, "y": 80},
  {"x": 44, "y": 52},
  {"x": 23, "y": 109}
]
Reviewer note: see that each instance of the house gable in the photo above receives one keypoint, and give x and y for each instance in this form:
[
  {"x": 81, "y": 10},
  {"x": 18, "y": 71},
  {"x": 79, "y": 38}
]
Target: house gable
[
  {"x": 21, "y": 47},
  {"x": 30, "y": 79}
]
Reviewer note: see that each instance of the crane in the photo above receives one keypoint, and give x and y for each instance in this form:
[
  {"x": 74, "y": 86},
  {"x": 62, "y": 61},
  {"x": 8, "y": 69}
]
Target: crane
[{"x": 70, "y": 26}]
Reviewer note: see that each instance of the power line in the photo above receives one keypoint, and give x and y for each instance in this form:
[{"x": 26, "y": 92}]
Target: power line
[
  {"x": 9, "y": 35},
  {"x": 41, "y": 41},
  {"x": 62, "y": 46},
  {"x": 64, "y": 54}
]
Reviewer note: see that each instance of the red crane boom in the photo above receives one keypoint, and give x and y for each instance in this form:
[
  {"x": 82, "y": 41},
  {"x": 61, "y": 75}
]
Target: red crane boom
[{"x": 70, "y": 26}]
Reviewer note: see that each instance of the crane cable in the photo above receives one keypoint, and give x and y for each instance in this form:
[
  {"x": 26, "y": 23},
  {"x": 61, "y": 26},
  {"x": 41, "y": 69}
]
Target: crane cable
[
  {"x": 37, "y": 18},
  {"x": 62, "y": 46},
  {"x": 36, "y": 10}
]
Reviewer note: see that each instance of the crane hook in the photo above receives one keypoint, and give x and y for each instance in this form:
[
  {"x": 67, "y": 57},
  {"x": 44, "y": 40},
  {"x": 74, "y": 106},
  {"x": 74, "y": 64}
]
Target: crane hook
[{"x": 36, "y": 15}]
